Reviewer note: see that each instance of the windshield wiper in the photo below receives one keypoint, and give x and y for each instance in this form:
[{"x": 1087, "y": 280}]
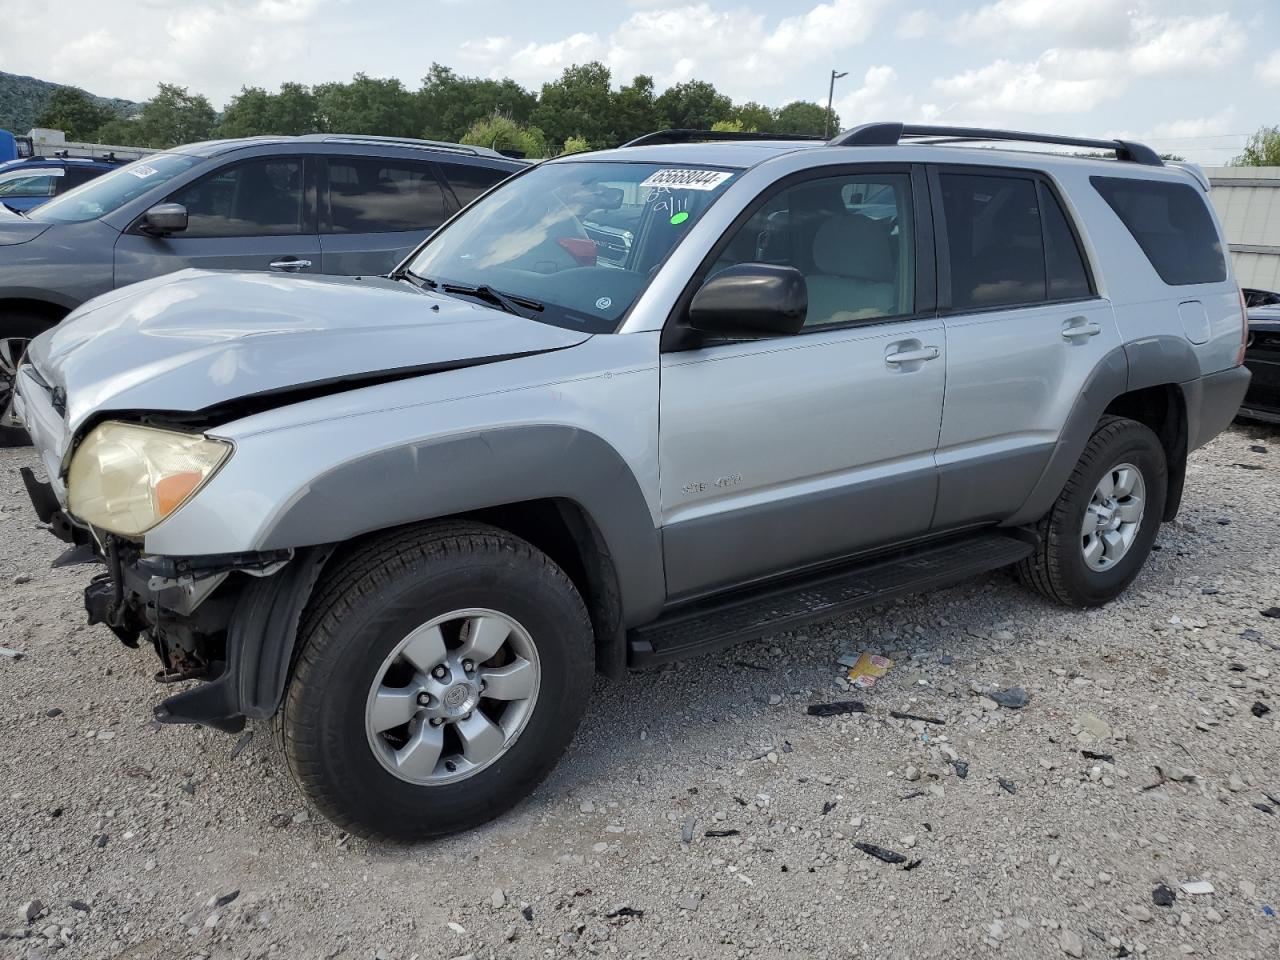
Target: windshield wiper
[
  {"x": 504, "y": 301},
  {"x": 418, "y": 279},
  {"x": 21, "y": 213}
]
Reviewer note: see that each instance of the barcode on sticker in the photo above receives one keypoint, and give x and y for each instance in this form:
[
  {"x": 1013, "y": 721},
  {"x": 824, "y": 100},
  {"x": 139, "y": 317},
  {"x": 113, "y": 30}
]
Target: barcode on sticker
[{"x": 679, "y": 179}]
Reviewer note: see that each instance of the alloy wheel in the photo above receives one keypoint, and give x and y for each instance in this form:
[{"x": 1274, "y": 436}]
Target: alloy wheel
[
  {"x": 452, "y": 697},
  {"x": 1112, "y": 519}
]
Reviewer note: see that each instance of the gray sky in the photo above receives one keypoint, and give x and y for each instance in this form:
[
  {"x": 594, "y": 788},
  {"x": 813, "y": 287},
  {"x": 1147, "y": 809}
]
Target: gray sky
[{"x": 1191, "y": 78}]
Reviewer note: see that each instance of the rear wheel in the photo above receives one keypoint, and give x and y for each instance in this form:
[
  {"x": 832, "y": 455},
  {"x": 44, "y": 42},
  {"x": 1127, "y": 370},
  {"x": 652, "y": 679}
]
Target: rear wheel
[
  {"x": 1099, "y": 532},
  {"x": 442, "y": 673},
  {"x": 16, "y": 332}
]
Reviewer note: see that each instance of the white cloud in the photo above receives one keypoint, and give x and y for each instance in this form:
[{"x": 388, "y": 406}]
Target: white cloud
[
  {"x": 916, "y": 25},
  {"x": 882, "y": 96},
  {"x": 1096, "y": 22},
  {"x": 737, "y": 49},
  {"x": 1269, "y": 69},
  {"x": 1076, "y": 80}
]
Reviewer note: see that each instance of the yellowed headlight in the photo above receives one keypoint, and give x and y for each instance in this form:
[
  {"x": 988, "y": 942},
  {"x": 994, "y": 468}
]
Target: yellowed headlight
[{"x": 125, "y": 478}]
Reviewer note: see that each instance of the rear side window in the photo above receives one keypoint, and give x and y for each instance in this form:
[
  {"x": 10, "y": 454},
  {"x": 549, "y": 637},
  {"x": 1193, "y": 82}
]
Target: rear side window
[
  {"x": 469, "y": 182},
  {"x": 995, "y": 241},
  {"x": 1172, "y": 225},
  {"x": 381, "y": 195}
]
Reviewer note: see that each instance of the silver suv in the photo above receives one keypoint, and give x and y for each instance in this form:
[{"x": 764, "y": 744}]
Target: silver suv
[{"x": 629, "y": 406}]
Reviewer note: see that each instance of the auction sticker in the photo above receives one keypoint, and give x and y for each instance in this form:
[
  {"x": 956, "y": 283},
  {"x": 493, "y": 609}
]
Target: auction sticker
[
  {"x": 144, "y": 171},
  {"x": 682, "y": 179}
]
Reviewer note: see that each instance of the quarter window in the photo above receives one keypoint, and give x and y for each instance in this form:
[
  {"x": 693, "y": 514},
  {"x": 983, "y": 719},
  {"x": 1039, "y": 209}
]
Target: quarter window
[
  {"x": 375, "y": 195},
  {"x": 34, "y": 184},
  {"x": 851, "y": 237},
  {"x": 258, "y": 198},
  {"x": 1172, "y": 225},
  {"x": 1068, "y": 278}
]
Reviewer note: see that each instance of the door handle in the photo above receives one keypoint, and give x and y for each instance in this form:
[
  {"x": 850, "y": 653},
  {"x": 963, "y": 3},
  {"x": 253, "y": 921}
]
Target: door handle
[
  {"x": 912, "y": 356},
  {"x": 291, "y": 264},
  {"x": 1080, "y": 327}
]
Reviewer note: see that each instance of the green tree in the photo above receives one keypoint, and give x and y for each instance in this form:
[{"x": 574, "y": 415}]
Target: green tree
[
  {"x": 633, "y": 111},
  {"x": 174, "y": 116},
  {"x": 577, "y": 105},
  {"x": 1262, "y": 150},
  {"x": 499, "y": 131},
  {"x": 121, "y": 132},
  {"x": 248, "y": 114},
  {"x": 727, "y": 126},
  {"x": 254, "y": 112},
  {"x": 574, "y": 145},
  {"x": 449, "y": 104},
  {"x": 804, "y": 118},
  {"x": 694, "y": 105},
  {"x": 754, "y": 117},
  {"x": 370, "y": 105},
  {"x": 74, "y": 112}
]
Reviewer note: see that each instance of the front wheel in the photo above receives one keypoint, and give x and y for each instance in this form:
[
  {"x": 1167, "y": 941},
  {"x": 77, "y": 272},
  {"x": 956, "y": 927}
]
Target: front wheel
[
  {"x": 1099, "y": 532},
  {"x": 443, "y": 671},
  {"x": 16, "y": 332}
]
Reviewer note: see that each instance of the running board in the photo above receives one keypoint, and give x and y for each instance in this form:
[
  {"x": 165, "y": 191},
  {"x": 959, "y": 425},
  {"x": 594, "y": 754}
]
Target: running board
[{"x": 749, "y": 615}]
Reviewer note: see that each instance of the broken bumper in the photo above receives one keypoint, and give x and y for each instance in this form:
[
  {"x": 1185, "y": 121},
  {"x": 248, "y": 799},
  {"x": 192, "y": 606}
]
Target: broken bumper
[{"x": 228, "y": 620}]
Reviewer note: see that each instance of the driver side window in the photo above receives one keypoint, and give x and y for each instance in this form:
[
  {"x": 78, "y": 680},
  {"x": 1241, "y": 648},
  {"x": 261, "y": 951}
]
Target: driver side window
[{"x": 850, "y": 236}]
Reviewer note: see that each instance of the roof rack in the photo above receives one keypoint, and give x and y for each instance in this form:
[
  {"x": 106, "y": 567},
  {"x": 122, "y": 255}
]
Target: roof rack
[
  {"x": 889, "y": 134},
  {"x": 359, "y": 138},
  {"x": 708, "y": 136}
]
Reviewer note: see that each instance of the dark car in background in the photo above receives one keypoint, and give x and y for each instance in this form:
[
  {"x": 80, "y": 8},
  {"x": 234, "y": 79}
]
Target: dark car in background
[
  {"x": 1262, "y": 357},
  {"x": 30, "y": 182},
  {"x": 321, "y": 203}
]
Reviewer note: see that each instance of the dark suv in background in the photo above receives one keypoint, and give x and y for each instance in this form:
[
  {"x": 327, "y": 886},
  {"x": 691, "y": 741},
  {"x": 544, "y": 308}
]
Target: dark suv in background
[{"x": 321, "y": 203}]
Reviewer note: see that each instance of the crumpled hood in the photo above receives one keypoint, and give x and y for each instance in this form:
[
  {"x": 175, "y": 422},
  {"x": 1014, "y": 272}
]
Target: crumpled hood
[{"x": 195, "y": 339}]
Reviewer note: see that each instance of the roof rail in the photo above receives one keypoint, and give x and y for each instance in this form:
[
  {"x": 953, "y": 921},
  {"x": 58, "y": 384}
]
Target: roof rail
[
  {"x": 358, "y": 138},
  {"x": 707, "y": 136},
  {"x": 890, "y": 134}
]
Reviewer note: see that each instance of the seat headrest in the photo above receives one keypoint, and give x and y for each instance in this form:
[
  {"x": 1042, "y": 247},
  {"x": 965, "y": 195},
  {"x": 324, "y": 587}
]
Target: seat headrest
[{"x": 853, "y": 246}]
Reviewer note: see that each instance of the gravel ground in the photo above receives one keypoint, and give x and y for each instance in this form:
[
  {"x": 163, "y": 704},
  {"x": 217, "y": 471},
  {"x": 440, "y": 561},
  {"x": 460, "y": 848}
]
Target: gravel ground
[{"x": 172, "y": 843}]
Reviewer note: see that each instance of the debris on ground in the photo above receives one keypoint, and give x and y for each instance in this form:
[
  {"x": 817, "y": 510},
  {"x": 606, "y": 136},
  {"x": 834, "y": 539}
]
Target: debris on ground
[
  {"x": 1272, "y": 612},
  {"x": 11, "y": 654},
  {"x": 241, "y": 744},
  {"x": 866, "y": 668},
  {"x": 1163, "y": 896},
  {"x": 722, "y": 833},
  {"x": 1197, "y": 888},
  {"x": 1259, "y": 709},
  {"x": 835, "y": 708},
  {"x": 881, "y": 853},
  {"x": 1015, "y": 698},
  {"x": 1094, "y": 755},
  {"x": 916, "y": 718},
  {"x": 961, "y": 768},
  {"x": 1006, "y": 785}
]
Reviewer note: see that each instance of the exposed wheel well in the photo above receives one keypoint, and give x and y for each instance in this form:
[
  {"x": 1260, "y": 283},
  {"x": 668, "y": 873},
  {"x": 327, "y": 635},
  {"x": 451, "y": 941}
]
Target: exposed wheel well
[
  {"x": 1163, "y": 409},
  {"x": 565, "y": 532},
  {"x": 37, "y": 308}
]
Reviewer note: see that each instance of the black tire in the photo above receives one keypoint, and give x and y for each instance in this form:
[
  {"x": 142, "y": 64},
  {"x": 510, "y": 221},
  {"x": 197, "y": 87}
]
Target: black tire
[
  {"x": 1057, "y": 567},
  {"x": 14, "y": 328},
  {"x": 367, "y": 601}
]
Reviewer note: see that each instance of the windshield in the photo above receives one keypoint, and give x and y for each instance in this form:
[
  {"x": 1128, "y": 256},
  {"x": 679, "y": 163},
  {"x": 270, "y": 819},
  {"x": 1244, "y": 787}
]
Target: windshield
[
  {"x": 113, "y": 190},
  {"x": 577, "y": 239}
]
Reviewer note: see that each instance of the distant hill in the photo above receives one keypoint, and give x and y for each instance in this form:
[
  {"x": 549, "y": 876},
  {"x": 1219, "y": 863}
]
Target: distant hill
[{"x": 23, "y": 98}]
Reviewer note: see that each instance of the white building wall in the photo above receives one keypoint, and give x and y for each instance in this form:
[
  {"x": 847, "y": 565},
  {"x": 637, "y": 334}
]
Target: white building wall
[{"x": 1247, "y": 200}]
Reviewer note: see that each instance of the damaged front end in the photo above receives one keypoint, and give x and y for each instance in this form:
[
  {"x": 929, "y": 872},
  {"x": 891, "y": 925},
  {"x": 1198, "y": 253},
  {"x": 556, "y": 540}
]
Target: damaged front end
[{"x": 228, "y": 621}]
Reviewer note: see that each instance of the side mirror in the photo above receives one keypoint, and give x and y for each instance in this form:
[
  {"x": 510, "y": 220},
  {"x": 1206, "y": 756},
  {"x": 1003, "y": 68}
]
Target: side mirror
[
  {"x": 751, "y": 300},
  {"x": 165, "y": 218}
]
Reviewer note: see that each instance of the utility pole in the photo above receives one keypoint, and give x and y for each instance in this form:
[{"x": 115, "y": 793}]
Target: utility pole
[{"x": 831, "y": 92}]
